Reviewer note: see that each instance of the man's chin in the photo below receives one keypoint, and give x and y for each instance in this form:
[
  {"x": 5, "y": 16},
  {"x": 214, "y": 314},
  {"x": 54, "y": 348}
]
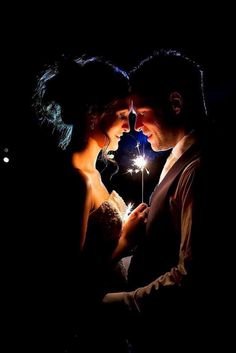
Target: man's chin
[{"x": 154, "y": 148}]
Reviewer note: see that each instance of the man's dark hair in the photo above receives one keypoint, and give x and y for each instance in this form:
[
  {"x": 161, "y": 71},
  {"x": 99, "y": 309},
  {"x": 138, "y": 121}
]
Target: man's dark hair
[{"x": 167, "y": 71}]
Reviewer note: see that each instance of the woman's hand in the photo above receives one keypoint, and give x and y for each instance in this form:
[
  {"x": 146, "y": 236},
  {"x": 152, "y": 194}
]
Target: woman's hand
[
  {"x": 131, "y": 230},
  {"x": 134, "y": 224}
]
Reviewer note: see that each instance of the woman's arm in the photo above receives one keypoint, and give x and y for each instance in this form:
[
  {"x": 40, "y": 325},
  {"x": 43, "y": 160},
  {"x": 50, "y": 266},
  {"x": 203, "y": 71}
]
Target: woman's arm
[{"x": 85, "y": 206}]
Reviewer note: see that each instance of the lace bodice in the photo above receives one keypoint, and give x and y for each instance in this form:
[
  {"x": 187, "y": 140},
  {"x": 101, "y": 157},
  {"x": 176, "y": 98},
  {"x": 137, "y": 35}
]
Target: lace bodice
[
  {"x": 103, "y": 232},
  {"x": 115, "y": 203},
  {"x": 105, "y": 223}
]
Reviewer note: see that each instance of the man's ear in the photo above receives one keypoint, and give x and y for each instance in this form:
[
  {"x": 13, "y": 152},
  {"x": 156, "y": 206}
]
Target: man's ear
[{"x": 176, "y": 101}]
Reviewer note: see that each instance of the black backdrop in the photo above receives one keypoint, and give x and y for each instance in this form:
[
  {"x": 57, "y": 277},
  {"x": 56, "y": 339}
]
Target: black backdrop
[{"x": 29, "y": 42}]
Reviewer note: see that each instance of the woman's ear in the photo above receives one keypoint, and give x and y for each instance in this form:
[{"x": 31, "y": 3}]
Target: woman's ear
[
  {"x": 176, "y": 101},
  {"x": 93, "y": 121}
]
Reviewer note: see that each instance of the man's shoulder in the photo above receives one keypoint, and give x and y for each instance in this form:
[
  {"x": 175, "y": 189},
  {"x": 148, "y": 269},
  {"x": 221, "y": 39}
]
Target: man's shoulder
[
  {"x": 193, "y": 166},
  {"x": 191, "y": 175}
]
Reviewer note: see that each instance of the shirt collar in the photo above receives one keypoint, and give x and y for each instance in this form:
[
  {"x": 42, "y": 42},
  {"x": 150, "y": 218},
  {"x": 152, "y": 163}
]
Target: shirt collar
[{"x": 184, "y": 144}]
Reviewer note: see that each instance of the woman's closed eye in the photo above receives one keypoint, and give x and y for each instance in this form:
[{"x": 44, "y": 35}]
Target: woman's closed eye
[{"x": 122, "y": 116}]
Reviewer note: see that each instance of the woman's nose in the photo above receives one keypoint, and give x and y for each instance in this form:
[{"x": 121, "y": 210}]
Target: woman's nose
[{"x": 126, "y": 126}]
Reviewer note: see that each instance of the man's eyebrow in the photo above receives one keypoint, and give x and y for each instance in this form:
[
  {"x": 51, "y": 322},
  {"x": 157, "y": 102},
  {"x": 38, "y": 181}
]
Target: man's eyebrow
[{"x": 142, "y": 108}]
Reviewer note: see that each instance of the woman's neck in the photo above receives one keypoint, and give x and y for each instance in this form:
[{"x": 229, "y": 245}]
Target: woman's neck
[{"x": 87, "y": 158}]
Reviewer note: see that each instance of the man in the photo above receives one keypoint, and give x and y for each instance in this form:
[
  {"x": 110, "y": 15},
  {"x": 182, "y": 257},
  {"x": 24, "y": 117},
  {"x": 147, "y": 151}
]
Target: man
[{"x": 169, "y": 262}]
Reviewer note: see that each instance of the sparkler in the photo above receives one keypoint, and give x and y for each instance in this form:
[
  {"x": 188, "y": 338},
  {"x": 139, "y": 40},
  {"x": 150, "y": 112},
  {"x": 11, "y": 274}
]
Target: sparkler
[{"x": 140, "y": 163}]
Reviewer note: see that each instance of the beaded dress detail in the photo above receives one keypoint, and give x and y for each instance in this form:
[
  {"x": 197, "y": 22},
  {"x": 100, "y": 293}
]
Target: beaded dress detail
[{"x": 104, "y": 228}]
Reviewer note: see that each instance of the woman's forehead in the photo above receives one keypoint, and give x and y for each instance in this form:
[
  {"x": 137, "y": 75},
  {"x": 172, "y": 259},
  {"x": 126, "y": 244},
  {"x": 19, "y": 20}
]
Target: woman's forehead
[
  {"x": 122, "y": 104},
  {"x": 139, "y": 101}
]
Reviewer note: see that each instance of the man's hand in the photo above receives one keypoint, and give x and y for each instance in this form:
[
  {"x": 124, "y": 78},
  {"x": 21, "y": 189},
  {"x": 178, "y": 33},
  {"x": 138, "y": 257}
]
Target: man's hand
[{"x": 123, "y": 301}]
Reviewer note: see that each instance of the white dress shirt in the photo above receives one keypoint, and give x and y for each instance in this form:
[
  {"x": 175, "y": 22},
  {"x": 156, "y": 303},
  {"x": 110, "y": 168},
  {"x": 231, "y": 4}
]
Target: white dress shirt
[{"x": 177, "y": 152}]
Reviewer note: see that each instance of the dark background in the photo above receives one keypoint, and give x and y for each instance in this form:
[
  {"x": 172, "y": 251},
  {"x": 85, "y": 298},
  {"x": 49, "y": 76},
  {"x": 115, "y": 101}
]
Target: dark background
[
  {"x": 38, "y": 38},
  {"x": 28, "y": 43},
  {"x": 124, "y": 40}
]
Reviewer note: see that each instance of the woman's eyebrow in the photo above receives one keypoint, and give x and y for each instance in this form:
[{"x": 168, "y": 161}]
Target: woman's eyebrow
[{"x": 120, "y": 111}]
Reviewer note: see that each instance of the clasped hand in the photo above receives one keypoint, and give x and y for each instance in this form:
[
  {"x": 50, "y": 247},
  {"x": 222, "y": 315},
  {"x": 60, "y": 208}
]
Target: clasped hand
[{"x": 134, "y": 224}]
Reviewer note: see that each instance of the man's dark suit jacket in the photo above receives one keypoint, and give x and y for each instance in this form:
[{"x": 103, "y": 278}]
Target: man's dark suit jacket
[
  {"x": 165, "y": 253},
  {"x": 175, "y": 271}
]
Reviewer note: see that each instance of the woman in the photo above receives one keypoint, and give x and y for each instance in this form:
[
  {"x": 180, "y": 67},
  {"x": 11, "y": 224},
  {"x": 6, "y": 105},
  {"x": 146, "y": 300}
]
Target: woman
[{"x": 86, "y": 100}]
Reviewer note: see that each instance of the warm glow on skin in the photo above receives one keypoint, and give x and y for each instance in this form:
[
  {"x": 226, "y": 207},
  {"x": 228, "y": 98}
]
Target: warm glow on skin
[
  {"x": 117, "y": 122},
  {"x": 151, "y": 122}
]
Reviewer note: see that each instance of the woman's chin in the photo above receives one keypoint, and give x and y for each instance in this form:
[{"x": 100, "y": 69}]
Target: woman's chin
[{"x": 113, "y": 147}]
